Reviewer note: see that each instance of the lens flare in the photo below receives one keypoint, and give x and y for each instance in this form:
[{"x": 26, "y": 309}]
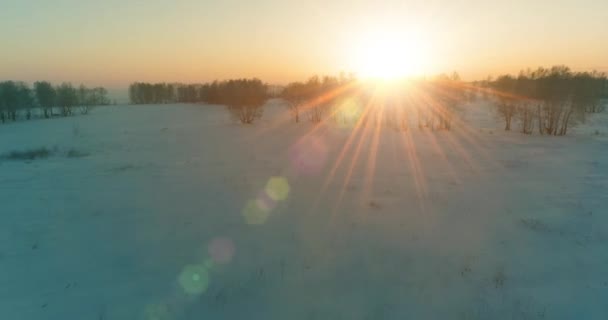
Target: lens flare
[
  {"x": 350, "y": 111},
  {"x": 255, "y": 214},
  {"x": 221, "y": 250},
  {"x": 194, "y": 279},
  {"x": 208, "y": 263},
  {"x": 308, "y": 156},
  {"x": 265, "y": 201},
  {"x": 277, "y": 188}
]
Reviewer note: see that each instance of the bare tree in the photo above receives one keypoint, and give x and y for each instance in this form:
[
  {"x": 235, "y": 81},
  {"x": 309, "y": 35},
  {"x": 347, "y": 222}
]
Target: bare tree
[
  {"x": 244, "y": 98},
  {"x": 9, "y": 99},
  {"x": 551, "y": 99},
  {"x": 295, "y": 94},
  {"x": 66, "y": 98},
  {"x": 46, "y": 95},
  {"x": 526, "y": 115},
  {"x": 25, "y": 99}
]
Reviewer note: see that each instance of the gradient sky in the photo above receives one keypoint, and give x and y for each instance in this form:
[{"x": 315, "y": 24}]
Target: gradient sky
[{"x": 113, "y": 43}]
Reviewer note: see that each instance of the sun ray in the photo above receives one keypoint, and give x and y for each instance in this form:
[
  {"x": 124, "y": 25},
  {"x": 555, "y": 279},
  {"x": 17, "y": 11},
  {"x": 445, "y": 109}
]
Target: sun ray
[
  {"x": 416, "y": 169},
  {"x": 357, "y": 129},
  {"x": 373, "y": 153},
  {"x": 285, "y": 118},
  {"x": 354, "y": 160}
]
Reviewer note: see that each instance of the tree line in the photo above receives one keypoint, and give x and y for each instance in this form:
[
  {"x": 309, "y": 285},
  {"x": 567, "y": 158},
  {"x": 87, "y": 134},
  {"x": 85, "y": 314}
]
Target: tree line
[
  {"x": 315, "y": 97},
  {"x": 160, "y": 93},
  {"x": 18, "y": 99},
  {"x": 341, "y": 98},
  {"x": 244, "y": 98},
  {"x": 432, "y": 102},
  {"x": 548, "y": 100}
]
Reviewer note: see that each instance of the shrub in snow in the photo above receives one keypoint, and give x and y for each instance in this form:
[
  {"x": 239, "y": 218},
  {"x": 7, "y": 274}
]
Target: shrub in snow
[
  {"x": 31, "y": 154},
  {"x": 74, "y": 153}
]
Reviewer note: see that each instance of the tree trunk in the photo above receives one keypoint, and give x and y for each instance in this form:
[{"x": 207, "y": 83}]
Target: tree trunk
[
  {"x": 565, "y": 125},
  {"x": 540, "y": 121}
]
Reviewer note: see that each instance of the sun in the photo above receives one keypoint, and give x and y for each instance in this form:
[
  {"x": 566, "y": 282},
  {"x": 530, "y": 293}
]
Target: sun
[{"x": 391, "y": 54}]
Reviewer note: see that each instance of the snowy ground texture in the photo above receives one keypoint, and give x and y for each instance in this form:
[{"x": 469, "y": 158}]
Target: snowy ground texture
[{"x": 174, "y": 212}]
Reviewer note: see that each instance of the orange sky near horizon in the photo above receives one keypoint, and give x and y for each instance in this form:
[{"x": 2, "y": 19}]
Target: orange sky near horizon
[{"x": 112, "y": 44}]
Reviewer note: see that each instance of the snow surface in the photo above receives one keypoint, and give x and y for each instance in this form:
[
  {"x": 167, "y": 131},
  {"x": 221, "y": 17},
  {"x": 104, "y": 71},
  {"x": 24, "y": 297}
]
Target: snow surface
[{"x": 155, "y": 201}]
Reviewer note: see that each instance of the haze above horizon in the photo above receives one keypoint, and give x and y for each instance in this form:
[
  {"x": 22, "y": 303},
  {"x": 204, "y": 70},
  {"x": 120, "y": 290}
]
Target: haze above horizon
[{"x": 113, "y": 43}]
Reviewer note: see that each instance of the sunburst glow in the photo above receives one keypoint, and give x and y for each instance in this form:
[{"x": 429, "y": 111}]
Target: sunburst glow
[{"x": 389, "y": 53}]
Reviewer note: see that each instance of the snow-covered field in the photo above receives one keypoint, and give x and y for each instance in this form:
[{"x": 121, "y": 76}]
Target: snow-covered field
[{"x": 175, "y": 212}]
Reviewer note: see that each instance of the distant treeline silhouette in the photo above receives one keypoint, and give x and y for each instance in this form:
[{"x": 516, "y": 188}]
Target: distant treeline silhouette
[
  {"x": 215, "y": 92},
  {"x": 549, "y": 100},
  {"x": 244, "y": 98},
  {"x": 19, "y": 99}
]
